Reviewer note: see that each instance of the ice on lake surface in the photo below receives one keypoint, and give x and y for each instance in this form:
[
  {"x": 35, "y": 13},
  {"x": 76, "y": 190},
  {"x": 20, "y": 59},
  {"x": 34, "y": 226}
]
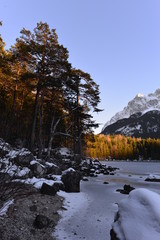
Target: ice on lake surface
[{"x": 90, "y": 213}]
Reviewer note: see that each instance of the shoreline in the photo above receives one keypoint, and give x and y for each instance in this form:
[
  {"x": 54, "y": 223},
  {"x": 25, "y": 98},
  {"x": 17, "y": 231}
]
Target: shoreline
[{"x": 72, "y": 205}]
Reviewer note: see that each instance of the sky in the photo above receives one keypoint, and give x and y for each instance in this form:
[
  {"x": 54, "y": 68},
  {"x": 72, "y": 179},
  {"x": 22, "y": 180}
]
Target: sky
[{"x": 116, "y": 41}]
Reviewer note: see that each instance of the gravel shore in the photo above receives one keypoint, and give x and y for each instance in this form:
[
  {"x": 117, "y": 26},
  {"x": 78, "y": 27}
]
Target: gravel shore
[{"x": 18, "y": 224}]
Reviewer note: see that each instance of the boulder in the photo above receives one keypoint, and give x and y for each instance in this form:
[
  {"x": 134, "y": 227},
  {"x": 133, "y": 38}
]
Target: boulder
[
  {"x": 126, "y": 189},
  {"x": 24, "y": 158},
  {"x": 152, "y": 180},
  {"x": 58, "y": 186},
  {"x": 21, "y": 157},
  {"x": 71, "y": 180},
  {"x": 38, "y": 169},
  {"x": 53, "y": 169},
  {"x": 41, "y": 221},
  {"x": 48, "y": 190},
  {"x": 5, "y": 148}
]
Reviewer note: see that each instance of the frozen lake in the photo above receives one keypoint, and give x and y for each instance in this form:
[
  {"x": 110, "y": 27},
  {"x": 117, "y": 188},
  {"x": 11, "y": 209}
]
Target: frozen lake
[{"x": 90, "y": 214}]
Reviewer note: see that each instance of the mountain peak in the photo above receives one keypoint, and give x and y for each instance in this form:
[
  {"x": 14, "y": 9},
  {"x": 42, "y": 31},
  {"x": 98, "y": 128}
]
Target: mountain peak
[
  {"x": 157, "y": 92},
  {"x": 140, "y": 95},
  {"x": 140, "y": 104}
]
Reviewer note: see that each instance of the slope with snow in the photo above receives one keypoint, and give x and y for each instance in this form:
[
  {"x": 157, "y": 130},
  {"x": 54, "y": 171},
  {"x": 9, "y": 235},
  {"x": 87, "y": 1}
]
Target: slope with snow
[{"x": 140, "y": 103}]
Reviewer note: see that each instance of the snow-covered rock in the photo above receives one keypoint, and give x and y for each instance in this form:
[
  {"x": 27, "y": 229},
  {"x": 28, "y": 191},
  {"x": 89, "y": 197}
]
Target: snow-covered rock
[
  {"x": 38, "y": 169},
  {"x": 153, "y": 178},
  {"x": 68, "y": 170},
  {"x": 65, "y": 151},
  {"x": 4, "y": 148},
  {"x": 22, "y": 156},
  {"x": 71, "y": 180},
  {"x": 38, "y": 182},
  {"x": 138, "y": 217}
]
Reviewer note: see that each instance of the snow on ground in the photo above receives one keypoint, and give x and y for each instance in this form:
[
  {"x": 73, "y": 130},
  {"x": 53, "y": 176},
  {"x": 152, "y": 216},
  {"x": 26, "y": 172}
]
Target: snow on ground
[
  {"x": 17, "y": 152},
  {"x": 92, "y": 216},
  {"x": 4, "y": 209},
  {"x": 73, "y": 203},
  {"x": 14, "y": 170},
  {"x": 64, "y": 151},
  {"x": 37, "y": 182},
  {"x": 139, "y": 216}
]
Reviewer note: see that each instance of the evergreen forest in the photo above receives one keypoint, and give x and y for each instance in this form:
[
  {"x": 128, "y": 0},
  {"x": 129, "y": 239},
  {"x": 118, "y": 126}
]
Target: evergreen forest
[
  {"x": 44, "y": 102},
  {"x": 122, "y": 148}
]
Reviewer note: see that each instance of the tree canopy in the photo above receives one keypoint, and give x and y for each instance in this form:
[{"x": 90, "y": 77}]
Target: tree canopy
[
  {"x": 44, "y": 101},
  {"x": 122, "y": 148}
]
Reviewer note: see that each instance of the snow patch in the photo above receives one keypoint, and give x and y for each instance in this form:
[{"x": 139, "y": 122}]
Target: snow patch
[
  {"x": 4, "y": 209},
  {"x": 73, "y": 203},
  {"x": 38, "y": 182},
  {"x": 68, "y": 170},
  {"x": 65, "y": 151},
  {"x": 140, "y": 95},
  {"x": 127, "y": 130},
  {"x": 51, "y": 164},
  {"x": 14, "y": 170}
]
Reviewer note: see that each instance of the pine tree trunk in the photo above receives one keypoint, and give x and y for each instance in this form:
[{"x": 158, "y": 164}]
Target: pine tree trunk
[
  {"x": 34, "y": 120},
  {"x": 40, "y": 146}
]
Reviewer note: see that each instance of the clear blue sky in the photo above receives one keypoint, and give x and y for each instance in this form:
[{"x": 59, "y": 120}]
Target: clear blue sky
[{"x": 116, "y": 41}]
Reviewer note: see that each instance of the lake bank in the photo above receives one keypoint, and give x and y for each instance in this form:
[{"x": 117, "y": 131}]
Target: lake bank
[{"x": 94, "y": 217}]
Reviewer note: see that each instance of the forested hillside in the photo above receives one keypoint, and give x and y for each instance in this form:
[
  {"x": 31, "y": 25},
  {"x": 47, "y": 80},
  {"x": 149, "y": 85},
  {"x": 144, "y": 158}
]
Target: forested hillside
[
  {"x": 121, "y": 147},
  {"x": 44, "y": 101}
]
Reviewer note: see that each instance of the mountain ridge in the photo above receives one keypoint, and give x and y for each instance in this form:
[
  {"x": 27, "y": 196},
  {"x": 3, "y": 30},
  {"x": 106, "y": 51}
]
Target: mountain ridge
[{"x": 141, "y": 111}]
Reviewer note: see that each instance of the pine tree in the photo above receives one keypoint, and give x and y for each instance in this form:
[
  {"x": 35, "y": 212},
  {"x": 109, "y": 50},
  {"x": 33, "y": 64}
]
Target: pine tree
[{"x": 47, "y": 60}]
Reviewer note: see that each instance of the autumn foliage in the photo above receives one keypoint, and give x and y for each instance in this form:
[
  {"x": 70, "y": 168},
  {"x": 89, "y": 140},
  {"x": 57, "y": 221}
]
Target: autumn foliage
[{"x": 121, "y": 148}]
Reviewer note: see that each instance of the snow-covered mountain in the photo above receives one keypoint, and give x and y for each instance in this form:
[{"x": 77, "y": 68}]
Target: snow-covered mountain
[{"x": 140, "y": 112}]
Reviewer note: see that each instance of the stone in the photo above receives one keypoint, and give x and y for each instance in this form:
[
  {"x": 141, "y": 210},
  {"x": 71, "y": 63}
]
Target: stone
[
  {"x": 5, "y": 148},
  {"x": 105, "y": 182},
  {"x": 71, "y": 181},
  {"x": 152, "y": 179},
  {"x": 113, "y": 235},
  {"x": 58, "y": 186},
  {"x": 24, "y": 157},
  {"x": 33, "y": 208},
  {"x": 37, "y": 169},
  {"x": 105, "y": 172},
  {"x": 53, "y": 170},
  {"x": 126, "y": 189},
  {"x": 85, "y": 179},
  {"x": 41, "y": 221},
  {"x": 48, "y": 190}
]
